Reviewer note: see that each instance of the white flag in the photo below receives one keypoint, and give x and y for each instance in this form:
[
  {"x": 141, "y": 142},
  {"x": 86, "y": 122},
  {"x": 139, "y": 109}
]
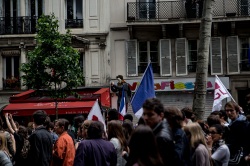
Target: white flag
[
  {"x": 220, "y": 93},
  {"x": 96, "y": 114}
]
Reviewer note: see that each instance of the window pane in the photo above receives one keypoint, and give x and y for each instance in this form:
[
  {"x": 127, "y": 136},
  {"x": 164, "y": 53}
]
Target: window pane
[
  {"x": 16, "y": 66},
  {"x": 153, "y": 46},
  {"x": 244, "y": 50},
  {"x": 142, "y": 46},
  {"x": 70, "y": 9},
  {"x": 8, "y": 67},
  {"x": 154, "y": 56},
  {"x": 143, "y": 57},
  {"x": 79, "y": 9}
]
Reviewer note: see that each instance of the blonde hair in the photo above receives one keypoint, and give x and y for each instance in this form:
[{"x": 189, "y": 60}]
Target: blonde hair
[
  {"x": 197, "y": 135},
  {"x": 3, "y": 143}
]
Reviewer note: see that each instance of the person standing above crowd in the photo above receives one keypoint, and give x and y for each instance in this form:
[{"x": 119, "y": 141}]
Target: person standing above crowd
[
  {"x": 41, "y": 142},
  {"x": 153, "y": 115},
  {"x": 64, "y": 148},
  {"x": 121, "y": 86},
  {"x": 95, "y": 151}
]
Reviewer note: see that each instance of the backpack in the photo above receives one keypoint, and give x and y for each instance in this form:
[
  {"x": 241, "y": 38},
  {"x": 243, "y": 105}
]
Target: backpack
[{"x": 25, "y": 149}]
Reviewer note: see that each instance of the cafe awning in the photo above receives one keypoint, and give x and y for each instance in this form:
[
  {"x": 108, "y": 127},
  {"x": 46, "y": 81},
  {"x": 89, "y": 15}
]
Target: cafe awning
[{"x": 27, "y": 109}]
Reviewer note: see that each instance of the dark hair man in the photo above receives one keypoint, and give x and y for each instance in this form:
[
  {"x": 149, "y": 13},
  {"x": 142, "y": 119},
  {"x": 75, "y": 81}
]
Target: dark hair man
[{"x": 41, "y": 142}]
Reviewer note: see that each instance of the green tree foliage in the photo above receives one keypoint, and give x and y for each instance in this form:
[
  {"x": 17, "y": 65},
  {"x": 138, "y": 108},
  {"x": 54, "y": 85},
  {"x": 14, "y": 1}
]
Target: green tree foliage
[{"x": 54, "y": 64}]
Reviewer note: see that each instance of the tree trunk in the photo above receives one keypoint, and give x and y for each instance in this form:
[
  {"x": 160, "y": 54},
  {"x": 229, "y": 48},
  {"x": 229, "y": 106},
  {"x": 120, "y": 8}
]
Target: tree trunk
[{"x": 202, "y": 60}]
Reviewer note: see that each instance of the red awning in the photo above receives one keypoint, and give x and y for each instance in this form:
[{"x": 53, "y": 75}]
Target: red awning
[{"x": 27, "y": 109}]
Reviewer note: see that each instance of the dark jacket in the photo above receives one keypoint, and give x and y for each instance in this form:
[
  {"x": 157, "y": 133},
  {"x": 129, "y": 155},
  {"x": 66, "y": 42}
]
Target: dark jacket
[
  {"x": 165, "y": 143},
  {"x": 95, "y": 152},
  {"x": 41, "y": 144}
]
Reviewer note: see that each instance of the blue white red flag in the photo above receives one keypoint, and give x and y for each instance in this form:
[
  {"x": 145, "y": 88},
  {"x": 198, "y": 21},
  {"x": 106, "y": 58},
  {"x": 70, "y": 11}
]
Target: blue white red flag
[
  {"x": 144, "y": 91},
  {"x": 122, "y": 108}
]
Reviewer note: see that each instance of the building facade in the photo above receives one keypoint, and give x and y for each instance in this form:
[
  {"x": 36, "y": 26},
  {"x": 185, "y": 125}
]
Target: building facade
[
  {"x": 88, "y": 21},
  {"x": 167, "y": 34},
  {"x": 120, "y": 37}
]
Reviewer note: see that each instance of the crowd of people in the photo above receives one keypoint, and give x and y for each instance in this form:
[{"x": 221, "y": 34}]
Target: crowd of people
[{"x": 163, "y": 136}]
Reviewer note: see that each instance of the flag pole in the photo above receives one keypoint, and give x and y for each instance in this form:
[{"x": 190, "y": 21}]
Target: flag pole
[
  {"x": 225, "y": 88},
  {"x": 140, "y": 83}
]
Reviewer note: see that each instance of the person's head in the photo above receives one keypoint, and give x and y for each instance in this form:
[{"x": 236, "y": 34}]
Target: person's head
[
  {"x": 115, "y": 131},
  {"x": 195, "y": 134},
  {"x": 232, "y": 110},
  {"x": 78, "y": 120},
  {"x": 223, "y": 115},
  {"x": 128, "y": 117},
  {"x": 95, "y": 130},
  {"x": 213, "y": 119},
  {"x": 61, "y": 126},
  {"x": 127, "y": 128},
  {"x": 153, "y": 112},
  {"x": 113, "y": 114},
  {"x": 23, "y": 131},
  {"x": 204, "y": 126},
  {"x": 216, "y": 131},
  {"x": 119, "y": 78},
  {"x": 141, "y": 121},
  {"x": 174, "y": 117},
  {"x": 189, "y": 114},
  {"x": 39, "y": 117},
  {"x": 84, "y": 127},
  {"x": 143, "y": 147}
]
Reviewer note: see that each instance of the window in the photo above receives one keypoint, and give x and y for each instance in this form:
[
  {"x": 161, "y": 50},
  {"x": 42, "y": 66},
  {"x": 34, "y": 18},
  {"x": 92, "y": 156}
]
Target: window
[
  {"x": 192, "y": 55},
  {"x": 147, "y": 9},
  {"x": 244, "y": 54},
  {"x": 11, "y": 72},
  {"x": 74, "y": 14},
  {"x": 148, "y": 51}
]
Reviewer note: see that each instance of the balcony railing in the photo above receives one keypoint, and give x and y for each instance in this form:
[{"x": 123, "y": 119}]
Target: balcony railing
[
  {"x": 167, "y": 10},
  {"x": 18, "y": 25},
  {"x": 74, "y": 23},
  {"x": 12, "y": 83}
]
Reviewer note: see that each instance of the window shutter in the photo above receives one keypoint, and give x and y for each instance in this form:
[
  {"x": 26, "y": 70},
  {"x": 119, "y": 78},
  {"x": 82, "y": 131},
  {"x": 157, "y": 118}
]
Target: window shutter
[
  {"x": 232, "y": 55},
  {"x": 216, "y": 56},
  {"x": 131, "y": 53},
  {"x": 181, "y": 56},
  {"x": 165, "y": 57}
]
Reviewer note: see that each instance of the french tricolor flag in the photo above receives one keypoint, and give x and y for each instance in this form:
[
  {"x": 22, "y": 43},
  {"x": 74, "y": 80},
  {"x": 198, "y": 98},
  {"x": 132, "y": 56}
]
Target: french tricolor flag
[{"x": 122, "y": 109}]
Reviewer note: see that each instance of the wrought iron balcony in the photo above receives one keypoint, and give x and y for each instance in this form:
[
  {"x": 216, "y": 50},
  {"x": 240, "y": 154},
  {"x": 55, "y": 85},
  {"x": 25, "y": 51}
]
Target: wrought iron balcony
[
  {"x": 11, "y": 83},
  {"x": 245, "y": 66},
  {"x": 167, "y": 10},
  {"x": 74, "y": 23},
  {"x": 18, "y": 25}
]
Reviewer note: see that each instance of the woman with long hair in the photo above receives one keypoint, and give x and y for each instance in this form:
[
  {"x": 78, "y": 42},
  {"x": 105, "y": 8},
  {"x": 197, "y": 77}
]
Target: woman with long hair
[
  {"x": 199, "y": 151},
  {"x": 4, "y": 153},
  {"x": 117, "y": 138},
  {"x": 143, "y": 150}
]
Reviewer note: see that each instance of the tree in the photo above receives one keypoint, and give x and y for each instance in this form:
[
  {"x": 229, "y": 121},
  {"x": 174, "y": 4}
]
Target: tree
[
  {"x": 53, "y": 65},
  {"x": 202, "y": 60}
]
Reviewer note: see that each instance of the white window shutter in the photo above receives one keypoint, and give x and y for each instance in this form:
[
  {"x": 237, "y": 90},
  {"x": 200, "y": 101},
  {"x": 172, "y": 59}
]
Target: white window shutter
[
  {"x": 233, "y": 55},
  {"x": 181, "y": 56},
  {"x": 216, "y": 56},
  {"x": 131, "y": 53},
  {"x": 165, "y": 57}
]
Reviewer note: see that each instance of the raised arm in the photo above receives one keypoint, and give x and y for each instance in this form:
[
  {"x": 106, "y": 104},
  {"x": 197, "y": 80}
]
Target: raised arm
[
  {"x": 8, "y": 123},
  {"x": 13, "y": 124}
]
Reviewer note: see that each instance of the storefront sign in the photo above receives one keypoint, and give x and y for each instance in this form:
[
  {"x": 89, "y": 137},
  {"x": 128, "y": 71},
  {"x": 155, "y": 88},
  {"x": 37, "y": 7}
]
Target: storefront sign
[{"x": 182, "y": 84}]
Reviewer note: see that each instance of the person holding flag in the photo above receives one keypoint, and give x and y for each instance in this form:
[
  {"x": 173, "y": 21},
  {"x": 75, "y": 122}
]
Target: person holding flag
[{"x": 123, "y": 92}]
